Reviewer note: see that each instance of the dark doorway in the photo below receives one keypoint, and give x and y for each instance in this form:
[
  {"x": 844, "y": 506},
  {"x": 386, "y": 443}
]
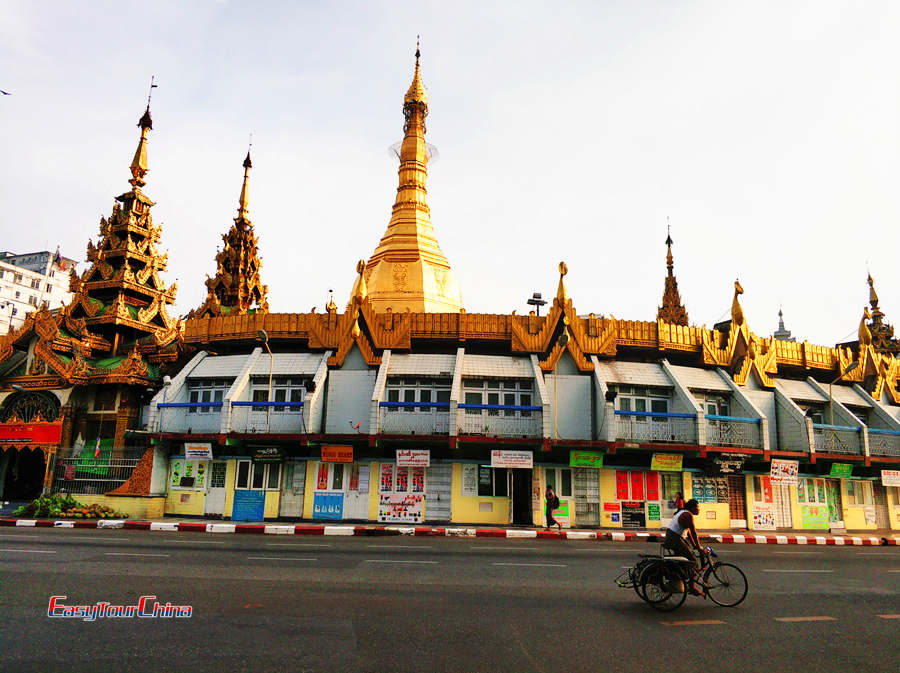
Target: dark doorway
[
  {"x": 521, "y": 495},
  {"x": 24, "y": 474}
]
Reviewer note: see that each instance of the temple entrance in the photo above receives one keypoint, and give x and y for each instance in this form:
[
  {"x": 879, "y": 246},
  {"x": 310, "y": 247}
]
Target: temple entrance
[{"x": 21, "y": 474}]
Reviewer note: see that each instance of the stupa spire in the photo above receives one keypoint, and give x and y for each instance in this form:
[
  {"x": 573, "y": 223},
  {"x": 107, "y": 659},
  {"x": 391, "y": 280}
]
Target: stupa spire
[
  {"x": 408, "y": 269},
  {"x": 139, "y": 161},
  {"x": 242, "y": 201},
  {"x": 672, "y": 310}
]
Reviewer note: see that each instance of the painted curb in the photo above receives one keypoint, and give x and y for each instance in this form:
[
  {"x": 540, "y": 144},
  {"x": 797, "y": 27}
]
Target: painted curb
[{"x": 458, "y": 531}]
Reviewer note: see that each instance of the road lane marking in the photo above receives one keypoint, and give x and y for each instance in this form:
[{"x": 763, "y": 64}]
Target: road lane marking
[
  {"x": 67, "y": 537},
  {"x": 293, "y": 544},
  {"x": 601, "y": 549},
  {"x": 29, "y": 551},
  {"x": 695, "y": 622},
  {"x": 493, "y": 548},
  {"x": 534, "y": 565},
  {"x": 397, "y": 546},
  {"x": 893, "y": 571},
  {"x": 795, "y": 570},
  {"x": 889, "y": 616},
  {"x": 797, "y": 553},
  {"x": 876, "y": 553},
  {"x": 278, "y": 558},
  {"x": 822, "y": 618},
  {"x": 125, "y": 553},
  {"x": 376, "y": 560},
  {"x": 198, "y": 541}
]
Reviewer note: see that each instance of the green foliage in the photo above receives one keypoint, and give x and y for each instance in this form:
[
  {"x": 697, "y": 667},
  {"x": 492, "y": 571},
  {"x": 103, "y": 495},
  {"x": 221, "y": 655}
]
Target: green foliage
[{"x": 67, "y": 507}]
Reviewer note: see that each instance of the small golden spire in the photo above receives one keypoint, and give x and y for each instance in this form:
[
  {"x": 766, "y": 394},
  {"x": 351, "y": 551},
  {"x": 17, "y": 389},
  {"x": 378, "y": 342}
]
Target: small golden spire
[
  {"x": 416, "y": 92},
  {"x": 139, "y": 162},
  {"x": 561, "y": 293},
  {"x": 242, "y": 202}
]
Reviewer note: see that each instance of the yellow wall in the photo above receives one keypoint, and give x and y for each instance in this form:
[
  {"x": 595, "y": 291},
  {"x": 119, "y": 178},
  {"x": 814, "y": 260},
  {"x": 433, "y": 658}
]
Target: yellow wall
[
  {"x": 130, "y": 507},
  {"x": 854, "y": 515},
  {"x": 230, "y": 472},
  {"x": 721, "y": 518},
  {"x": 273, "y": 499},
  {"x": 374, "y": 488},
  {"x": 608, "y": 494},
  {"x": 310, "y": 488},
  {"x": 467, "y": 510},
  {"x": 196, "y": 502},
  {"x": 893, "y": 494}
]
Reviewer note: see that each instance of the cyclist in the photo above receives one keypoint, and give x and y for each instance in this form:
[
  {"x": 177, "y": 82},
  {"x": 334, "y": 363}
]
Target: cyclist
[{"x": 681, "y": 523}]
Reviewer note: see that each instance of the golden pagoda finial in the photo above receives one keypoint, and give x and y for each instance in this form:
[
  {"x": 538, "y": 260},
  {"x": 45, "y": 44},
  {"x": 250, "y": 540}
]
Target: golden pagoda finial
[
  {"x": 561, "y": 293},
  {"x": 672, "y": 310},
  {"x": 865, "y": 336},
  {"x": 139, "y": 162},
  {"x": 669, "y": 262},
  {"x": 242, "y": 202},
  {"x": 416, "y": 92},
  {"x": 737, "y": 313}
]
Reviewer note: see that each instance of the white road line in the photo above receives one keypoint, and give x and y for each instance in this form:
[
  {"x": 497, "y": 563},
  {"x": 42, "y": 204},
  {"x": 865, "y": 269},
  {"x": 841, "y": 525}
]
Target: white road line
[
  {"x": 797, "y": 553},
  {"x": 197, "y": 541},
  {"x": 893, "y": 571},
  {"x": 605, "y": 550},
  {"x": 123, "y": 553},
  {"x": 29, "y": 551},
  {"x": 278, "y": 558},
  {"x": 397, "y": 546},
  {"x": 795, "y": 570},
  {"x": 822, "y": 618},
  {"x": 534, "y": 565},
  {"x": 487, "y": 546},
  {"x": 877, "y": 553},
  {"x": 375, "y": 560},
  {"x": 293, "y": 544},
  {"x": 66, "y": 537}
]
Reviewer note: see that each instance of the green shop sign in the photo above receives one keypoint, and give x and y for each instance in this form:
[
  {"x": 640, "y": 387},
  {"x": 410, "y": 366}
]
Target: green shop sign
[
  {"x": 268, "y": 455},
  {"x": 585, "y": 459},
  {"x": 844, "y": 470},
  {"x": 653, "y": 511}
]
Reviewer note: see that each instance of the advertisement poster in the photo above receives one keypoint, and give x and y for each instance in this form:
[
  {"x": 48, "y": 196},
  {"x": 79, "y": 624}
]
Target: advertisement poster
[
  {"x": 561, "y": 513},
  {"x": 763, "y": 516},
  {"x": 387, "y": 477},
  {"x": 322, "y": 477},
  {"x": 198, "y": 451},
  {"x": 670, "y": 462},
  {"x": 637, "y": 485},
  {"x": 652, "y": 486},
  {"x": 354, "y": 477},
  {"x": 177, "y": 470},
  {"x": 612, "y": 507},
  {"x": 328, "y": 506},
  {"x": 814, "y": 516},
  {"x": 401, "y": 485},
  {"x": 469, "y": 480},
  {"x": 418, "y": 480},
  {"x": 633, "y": 515},
  {"x": 870, "y": 515},
  {"x": 890, "y": 477},
  {"x": 585, "y": 459},
  {"x": 784, "y": 472},
  {"x": 413, "y": 457},
  {"x": 653, "y": 511},
  {"x": 401, "y": 508},
  {"x": 621, "y": 485},
  {"x": 514, "y": 459}
]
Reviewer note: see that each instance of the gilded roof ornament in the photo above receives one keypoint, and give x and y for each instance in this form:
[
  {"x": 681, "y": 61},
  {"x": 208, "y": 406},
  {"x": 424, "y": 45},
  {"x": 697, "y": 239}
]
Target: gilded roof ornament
[
  {"x": 561, "y": 293},
  {"x": 882, "y": 332},
  {"x": 865, "y": 336},
  {"x": 737, "y": 313},
  {"x": 416, "y": 92},
  {"x": 672, "y": 310}
]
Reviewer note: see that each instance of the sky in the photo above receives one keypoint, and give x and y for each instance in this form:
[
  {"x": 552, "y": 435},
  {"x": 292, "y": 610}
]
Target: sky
[{"x": 766, "y": 133}]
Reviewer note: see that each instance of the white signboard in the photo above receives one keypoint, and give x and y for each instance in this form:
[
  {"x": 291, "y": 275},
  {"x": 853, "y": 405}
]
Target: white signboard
[
  {"x": 784, "y": 472},
  {"x": 501, "y": 458},
  {"x": 198, "y": 451},
  {"x": 413, "y": 457},
  {"x": 763, "y": 516},
  {"x": 469, "y": 480},
  {"x": 890, "y": 477},
  {"x": 401, "y": 508}
]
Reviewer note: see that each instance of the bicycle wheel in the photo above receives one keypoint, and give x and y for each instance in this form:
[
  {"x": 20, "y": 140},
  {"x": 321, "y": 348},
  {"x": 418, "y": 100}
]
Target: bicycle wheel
[
  {"x": 726, "y": 584},
  {"x": 636, "y": 574},
  {"x": 663, "y": 587}
]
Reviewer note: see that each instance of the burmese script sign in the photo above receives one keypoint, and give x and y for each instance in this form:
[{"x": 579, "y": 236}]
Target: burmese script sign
[
  {"x": 784, "y": 472},
  {"x": 337, "y": 454},
  {"x": 31, "y": 433},
  {"x": 585, "y": 459},
  {"x": 198, "y": 451},
  {"x": 413, "y": 457},
  {"x": 890, "y": 477},
  {"x": 522, "y": 459},
  {"x": 666, "y": 462},
  {"x": 401, "y": 508}
]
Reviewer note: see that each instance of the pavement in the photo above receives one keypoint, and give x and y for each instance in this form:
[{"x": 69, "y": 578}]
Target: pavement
[{"x": 869, "y": 539}]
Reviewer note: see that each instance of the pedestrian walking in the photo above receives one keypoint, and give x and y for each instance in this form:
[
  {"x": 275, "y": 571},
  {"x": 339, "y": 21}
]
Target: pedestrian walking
[
  {"x": 679, "y": 501},
  {"x": 552, "y": 503}
]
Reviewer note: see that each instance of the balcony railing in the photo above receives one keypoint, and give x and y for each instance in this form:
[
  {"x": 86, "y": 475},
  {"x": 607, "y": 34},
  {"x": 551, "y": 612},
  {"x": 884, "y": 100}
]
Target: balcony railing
[
  {"x": 733, "y": 431},
  {"x": 646, "y": 426},
  {"x": 414, "y": 418},
  {"x": 199, "y": 417},
  {"x": 836, "y": 438},
  {"x": 501, "y": 420},
  {"x": 884, "y": 442},
  {"x": 277, "y": 418}
]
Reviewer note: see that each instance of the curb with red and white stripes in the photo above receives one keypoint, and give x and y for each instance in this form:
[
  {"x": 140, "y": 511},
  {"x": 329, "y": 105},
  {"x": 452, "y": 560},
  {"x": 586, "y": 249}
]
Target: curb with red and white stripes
[{"x": 463, "y": 531}]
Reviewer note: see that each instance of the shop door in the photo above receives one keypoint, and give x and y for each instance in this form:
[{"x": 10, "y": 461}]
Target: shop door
[
  {"x": 882, "y": 516},
  {"x": 520, "y": 500},
  {"x": 835, "y": 506},
  {"x": 587, "y": 496},
  {"x": 782, "y": 498},
  {"x": 440, "y": 480},
  {"x": 292, "y": 489},
  {"x": 356, "y": 500},
  {"x": 215, "y": 496},
  {"x": 737, "y": 501}
]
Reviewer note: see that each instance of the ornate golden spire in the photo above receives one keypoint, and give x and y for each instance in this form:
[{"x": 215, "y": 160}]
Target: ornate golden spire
[
  {"x": 882, "y": 333},
  {"x": 242, "y": 201},
  {"x": 139, "y": 162},
  {"x": 408, "y": 270},
  {"x": 672, "y": 310}
]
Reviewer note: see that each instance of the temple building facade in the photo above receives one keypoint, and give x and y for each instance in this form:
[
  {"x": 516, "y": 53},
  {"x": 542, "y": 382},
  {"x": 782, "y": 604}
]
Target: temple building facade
[{"x": 404, "y": 408}]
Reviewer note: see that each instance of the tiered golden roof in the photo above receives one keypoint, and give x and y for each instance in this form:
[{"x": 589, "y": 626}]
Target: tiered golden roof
[
  {"x": 408, "y": 270},
  {"x": 236, "y": 287}
]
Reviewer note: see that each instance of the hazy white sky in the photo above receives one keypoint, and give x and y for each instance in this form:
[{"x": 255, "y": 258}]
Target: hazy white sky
[{"x": 766, "y": 131}]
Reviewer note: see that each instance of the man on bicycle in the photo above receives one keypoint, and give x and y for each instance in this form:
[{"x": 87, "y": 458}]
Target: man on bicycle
[{"x": 682, "y": 522}]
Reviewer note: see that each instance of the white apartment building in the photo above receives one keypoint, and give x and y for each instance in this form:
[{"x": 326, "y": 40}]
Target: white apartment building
[{"x": 31, "y": 280}]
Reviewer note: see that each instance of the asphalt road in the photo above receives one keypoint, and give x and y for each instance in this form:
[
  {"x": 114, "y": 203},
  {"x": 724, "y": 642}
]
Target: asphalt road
[{"x": 289, "y": 603}]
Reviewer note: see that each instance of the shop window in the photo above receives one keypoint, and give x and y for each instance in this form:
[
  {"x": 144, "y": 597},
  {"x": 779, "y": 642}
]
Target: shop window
[
  {"x": 560, "y": 479},
  {"x": 762, "y": 488},
  {"x": 716, "y": 406},
  {"x": 492, "y": 481},
  {"x": 242, "y": 478},
  {"x": 258, "y": 476},
  {"x": 187, "y": 474},
  {"x": 284, "y": 389},
  {"x": 636, "y": 485},
  {"x": 405, "y": 389},
  {"x": 811, "y": 491},
  {"x": 207, "y": 390},
  {"x": 859, "y": 493},
  {"x": 506, "y": 392}
]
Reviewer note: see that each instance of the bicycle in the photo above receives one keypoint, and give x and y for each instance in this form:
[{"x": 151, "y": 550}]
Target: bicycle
[{"x": 662, "y": 581}]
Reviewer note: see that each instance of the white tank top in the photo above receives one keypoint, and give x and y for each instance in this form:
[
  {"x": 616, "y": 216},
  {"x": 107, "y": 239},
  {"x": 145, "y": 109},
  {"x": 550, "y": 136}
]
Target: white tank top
[{"x": 674, "y": 525}]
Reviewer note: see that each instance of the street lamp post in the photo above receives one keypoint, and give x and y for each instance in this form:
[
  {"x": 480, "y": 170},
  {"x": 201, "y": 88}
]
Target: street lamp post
[
  {"x": 265, "y": 341},
  {"x": 853, "y": 365}
]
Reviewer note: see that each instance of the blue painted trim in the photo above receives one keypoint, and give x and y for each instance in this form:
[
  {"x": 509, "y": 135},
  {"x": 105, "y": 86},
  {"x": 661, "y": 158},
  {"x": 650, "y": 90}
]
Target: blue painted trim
[
  {"x": 401, "y": 405},
  {"x": 649, "y": 414},
  {"x": 507, "y": 407},
  {"x": 733, "y": 418},
  {"x": 189, "y": 405},
  {"x": 879, "y": 431},
  {"x": 823, "y": 426},
  {"x": 266, "y": 404}
]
